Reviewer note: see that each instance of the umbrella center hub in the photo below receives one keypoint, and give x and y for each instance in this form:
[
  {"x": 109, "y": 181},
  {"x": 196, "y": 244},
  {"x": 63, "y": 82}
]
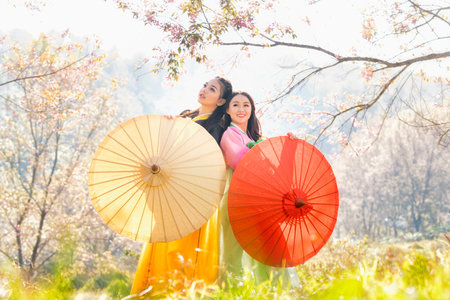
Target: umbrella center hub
[
  {"x": 155, "y": 172},
  {"x": 295, "y": 204},
  {"x": 155, "y": 169},
  {"x": 299, "y": 202}
]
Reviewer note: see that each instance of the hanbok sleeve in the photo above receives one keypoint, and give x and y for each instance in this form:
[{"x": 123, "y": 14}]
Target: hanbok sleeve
[{"x": 233, "y": 147}]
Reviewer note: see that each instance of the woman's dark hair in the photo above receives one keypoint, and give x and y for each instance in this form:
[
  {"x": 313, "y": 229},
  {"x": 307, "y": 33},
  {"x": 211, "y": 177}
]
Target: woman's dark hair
[
  {"x": 226, "y": 91},
  {"x": 253, "y": 126}
]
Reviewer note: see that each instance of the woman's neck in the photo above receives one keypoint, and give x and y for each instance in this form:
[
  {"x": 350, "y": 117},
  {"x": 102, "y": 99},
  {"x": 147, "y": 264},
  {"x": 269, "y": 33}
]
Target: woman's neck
[
  {"x": 205, "y": 110},
  {"x": 242, "y": 127}
]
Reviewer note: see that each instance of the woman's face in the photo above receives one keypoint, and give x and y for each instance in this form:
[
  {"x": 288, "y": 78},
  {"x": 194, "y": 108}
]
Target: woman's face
[
  {"x": 210, "y": 94},
  {"x": 240, "y": 110}
]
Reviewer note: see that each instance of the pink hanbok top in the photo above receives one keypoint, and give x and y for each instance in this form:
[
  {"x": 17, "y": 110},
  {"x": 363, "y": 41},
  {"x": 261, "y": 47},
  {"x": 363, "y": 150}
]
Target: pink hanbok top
[{"x": 234, "y": 145}]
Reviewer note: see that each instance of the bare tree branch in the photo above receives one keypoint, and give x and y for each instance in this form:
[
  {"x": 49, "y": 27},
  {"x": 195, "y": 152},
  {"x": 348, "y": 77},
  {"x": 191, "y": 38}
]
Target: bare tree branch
[{"x": 360, "y": 106}]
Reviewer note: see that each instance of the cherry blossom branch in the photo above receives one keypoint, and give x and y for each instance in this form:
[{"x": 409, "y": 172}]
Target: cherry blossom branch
[
  {"x": 44, "y": 74},
  {"x": 436, "y": 15}
]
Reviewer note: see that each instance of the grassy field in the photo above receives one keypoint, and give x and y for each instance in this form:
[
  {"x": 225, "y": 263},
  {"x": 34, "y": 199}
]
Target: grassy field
[{"x": 344, "y": 269}]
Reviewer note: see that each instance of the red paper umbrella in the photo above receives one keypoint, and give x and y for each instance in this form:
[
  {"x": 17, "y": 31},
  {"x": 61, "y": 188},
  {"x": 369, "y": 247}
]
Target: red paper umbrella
[{"x": 283, "y": 201}]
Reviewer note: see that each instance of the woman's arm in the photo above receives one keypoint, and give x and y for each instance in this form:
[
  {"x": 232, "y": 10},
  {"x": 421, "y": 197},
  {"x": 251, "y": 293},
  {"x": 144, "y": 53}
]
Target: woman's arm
[{"x": 233, "y": 146}]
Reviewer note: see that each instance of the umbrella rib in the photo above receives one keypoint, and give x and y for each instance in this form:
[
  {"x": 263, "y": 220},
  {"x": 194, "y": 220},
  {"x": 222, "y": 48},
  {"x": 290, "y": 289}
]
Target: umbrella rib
[
  {"x": 272, "y": 193},
  {"x": 307, "y": 169},
  {"x": 312, "y": 224},
  {"x": 303, "y": 241},
  {"x": 314, "y": 173},
  {"x": 107, "y": 149},
  {"x": 294, "y": 166},
  {"x": 125, "y": 202},
  {"x": 187, "y": 200},
  {"x": 319, "y": 178},
  {"x": 321, "y": 196},
  {"x": 320, "y": 221},
  {"x": 203, "y": 166},
  {"x": 253, "y": 224},
  {"x": 253, "y": 215},
  {"x": 331, "y": 217},
  {"x": 132, "y": 140},
  {"x": 142, "y": 216},
  {"x": 142, "y": 139},
  {"x": 283, "y": 178},
  {"x": 288, "y": 170},
  {"x": 161, "y": 210},
  {"x": 113, "y": 189},
  {"x": 321, "y": 187},
  {"x": 295, "y": 239},
  {"x": 163, "y": 147},
  {"x": 118, "y": 198},
  {"x": 168, "y": 151},
  {"x": 111, "y": 172},
  {"x": 191, "y": 145},
  {"x": 301, "y": 163},
  {"x": 114, "y": 179},
  {"x": 275, "y": 203},
  {"x": 158, "y": 148},
  {"x": 279, "y": 238},
  {"x": 135, "y": 205},
  {"x": 307, "y": 230},
  {"x": 126, "y": 148},
  {"x": 214, "y": 152},
  {"x": 324, "y": 204},
  {"x": 263, "y": 180},
  {"x": 171, "y": 213},
  {"x": 273, "y": 234},
  {"x": 150, "y": 134},
  {"x": 286, "y": 241},
  {"x": 181, "y": 209},
  {"x": 198, "y": 185},
  {"x": 113, "y": 162},
  {"x": 266, "y": 230},
  {"x": 199, "y": 176},
  {"x": 270, "y": 197}
]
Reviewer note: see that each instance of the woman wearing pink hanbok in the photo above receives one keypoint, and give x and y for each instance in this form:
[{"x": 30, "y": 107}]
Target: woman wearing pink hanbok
[{"x": 242, "y": 134}]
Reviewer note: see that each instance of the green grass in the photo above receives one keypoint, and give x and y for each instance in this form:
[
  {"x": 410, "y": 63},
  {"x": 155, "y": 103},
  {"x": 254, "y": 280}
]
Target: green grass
[{"x": 344, "y": 269}]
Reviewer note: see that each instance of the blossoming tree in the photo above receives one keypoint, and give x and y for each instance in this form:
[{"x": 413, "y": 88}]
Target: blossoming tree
[
  {"x": 53, "y": 109},
  {"x": 396, "y": 188}
]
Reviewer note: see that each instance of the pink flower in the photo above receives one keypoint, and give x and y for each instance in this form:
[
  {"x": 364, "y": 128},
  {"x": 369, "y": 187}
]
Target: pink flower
[{"x": 367, "y": 73}]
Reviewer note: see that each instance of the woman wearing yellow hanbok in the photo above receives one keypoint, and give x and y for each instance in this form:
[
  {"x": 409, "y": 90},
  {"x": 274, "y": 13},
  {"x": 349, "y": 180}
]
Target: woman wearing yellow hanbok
[{"x": 194, "y": 257}]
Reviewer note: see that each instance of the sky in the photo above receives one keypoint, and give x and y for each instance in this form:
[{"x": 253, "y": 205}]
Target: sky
[{"x": 118, "y": 30}]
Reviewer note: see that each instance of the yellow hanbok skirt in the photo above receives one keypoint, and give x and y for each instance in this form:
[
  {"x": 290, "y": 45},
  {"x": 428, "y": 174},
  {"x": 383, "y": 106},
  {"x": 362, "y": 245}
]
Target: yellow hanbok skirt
[{"x": 194, "y": 257}]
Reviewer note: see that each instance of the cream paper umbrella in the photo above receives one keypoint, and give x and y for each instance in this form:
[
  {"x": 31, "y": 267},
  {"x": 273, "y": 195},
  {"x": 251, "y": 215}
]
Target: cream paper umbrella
[{"x": 155, "y": 179}]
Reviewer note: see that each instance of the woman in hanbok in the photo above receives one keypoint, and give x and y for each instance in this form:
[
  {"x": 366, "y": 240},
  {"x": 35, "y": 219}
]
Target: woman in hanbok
[
  {"x": 194, "y": 257},
  {"x": 241, "y": 135}
]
